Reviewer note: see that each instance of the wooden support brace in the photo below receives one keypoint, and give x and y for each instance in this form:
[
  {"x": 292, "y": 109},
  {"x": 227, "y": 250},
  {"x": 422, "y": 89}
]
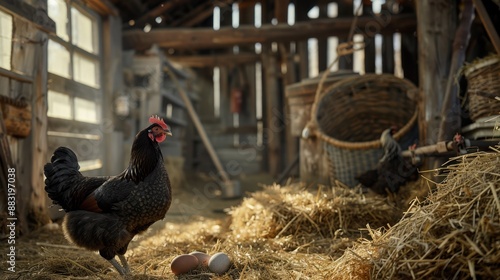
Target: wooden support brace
[
  {"x": 199, "y": 127},
  {"x": 488, "y": 25}
]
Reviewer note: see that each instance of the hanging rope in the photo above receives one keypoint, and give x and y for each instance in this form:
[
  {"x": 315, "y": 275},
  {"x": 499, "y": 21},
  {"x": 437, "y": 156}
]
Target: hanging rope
[{"x": 343, "y": 49}]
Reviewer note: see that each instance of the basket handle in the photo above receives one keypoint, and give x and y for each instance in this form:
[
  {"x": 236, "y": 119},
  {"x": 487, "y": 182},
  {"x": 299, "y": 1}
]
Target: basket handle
[{"x": 343, "y": 49}]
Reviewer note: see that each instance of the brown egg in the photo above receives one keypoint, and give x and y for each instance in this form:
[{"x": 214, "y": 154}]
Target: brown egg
[
  {"x": 183, "y": 263},
  {"x": 202, "y": 258}
]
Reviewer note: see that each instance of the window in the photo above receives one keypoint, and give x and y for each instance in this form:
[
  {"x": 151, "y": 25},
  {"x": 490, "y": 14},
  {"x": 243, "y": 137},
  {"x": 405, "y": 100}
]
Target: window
[
  {"x": 83, "y": 31},
  {"x": 73, "y": 55},
  {"x": 76, "y": 58},
  {"x": 85, "y": 70},
  {"x": 59, "y": 60},
  {"x": 5, "y": 40},
  {"x": 58, "y": 12},
  {"x": 60, "y": 105},
  {"x": 85, "y": 110}
]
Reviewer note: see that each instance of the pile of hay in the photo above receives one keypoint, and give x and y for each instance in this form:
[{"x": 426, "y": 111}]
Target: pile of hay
[
  {"x": 454, "y": 234},
  {"x": 325, "y": 213}
]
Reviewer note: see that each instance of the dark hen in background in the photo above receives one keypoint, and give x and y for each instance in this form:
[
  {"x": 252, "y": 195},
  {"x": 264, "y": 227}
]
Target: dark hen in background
[
  {"x": 105, "y": 213},
  {"x": 392, "y": 170}
]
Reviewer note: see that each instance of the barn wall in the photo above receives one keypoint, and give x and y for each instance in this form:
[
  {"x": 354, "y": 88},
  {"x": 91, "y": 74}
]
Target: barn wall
[{"x": 27, "y": 78}]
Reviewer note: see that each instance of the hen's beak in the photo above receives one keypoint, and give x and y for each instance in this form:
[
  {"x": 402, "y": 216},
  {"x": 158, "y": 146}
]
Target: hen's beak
[{"x": 168, "y": 132}]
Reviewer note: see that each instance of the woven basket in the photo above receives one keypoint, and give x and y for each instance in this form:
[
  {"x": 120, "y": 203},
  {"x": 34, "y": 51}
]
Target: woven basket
[
  {"x": 300, "y": 97},
  {"x": 483, "y": 76},
  {"x": 351, "y": 115}
]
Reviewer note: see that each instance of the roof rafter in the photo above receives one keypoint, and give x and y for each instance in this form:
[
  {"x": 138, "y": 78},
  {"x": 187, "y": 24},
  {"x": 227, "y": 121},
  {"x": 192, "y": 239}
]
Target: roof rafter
[{"x": 207, "y": 38}]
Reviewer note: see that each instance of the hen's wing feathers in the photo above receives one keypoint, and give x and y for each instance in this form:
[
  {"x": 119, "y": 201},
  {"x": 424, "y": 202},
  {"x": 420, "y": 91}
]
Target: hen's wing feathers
[{"x": 112, "y": 192}]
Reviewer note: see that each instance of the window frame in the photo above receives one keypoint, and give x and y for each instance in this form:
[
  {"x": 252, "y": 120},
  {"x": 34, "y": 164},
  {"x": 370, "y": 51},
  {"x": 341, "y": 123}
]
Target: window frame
[{"x": 70, "y": 86}]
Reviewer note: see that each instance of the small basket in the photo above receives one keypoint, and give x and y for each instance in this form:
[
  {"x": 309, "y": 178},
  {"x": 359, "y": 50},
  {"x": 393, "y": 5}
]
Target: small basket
[
  {"x": 351, "y": 115},
  {"x": 483, "y": 76}
]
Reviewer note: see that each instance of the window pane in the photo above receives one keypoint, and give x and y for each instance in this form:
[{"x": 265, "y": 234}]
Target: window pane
[
  {"x": 59, "y": 105},
  {"x": 59, "y": 61},
  {"x": 85, "y": 110},
  {"x": 5, "y": 39},
  {"x": 86, "y": 70},
  {"x": 58, "y": 12},
  {"x": 83, "y": 31}
]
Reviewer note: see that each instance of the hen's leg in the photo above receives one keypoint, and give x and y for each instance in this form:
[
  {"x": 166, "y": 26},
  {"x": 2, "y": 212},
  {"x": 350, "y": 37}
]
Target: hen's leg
[
  {"x": 118, "y": 267},
  {"x": 124, "y": 262}
]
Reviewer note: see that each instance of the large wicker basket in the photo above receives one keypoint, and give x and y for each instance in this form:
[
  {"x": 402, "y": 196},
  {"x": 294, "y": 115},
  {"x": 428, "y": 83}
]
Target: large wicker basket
[
  {"x": 483, "y": 76},
  {"x": 351, "y": 115},
  {"x": 300, "y": 97}
]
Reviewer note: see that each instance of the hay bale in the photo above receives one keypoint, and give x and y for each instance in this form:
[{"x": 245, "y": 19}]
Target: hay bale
[
  {"x": 454, "y": 233},
  {"x": 355, "y": 263},
  {"x": 292, "y": 210}
]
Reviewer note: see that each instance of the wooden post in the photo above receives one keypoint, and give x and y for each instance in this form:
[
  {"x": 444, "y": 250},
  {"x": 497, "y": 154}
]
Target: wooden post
[
  {"x": 113, "y": 161},
  {"x": 388, "y": 54},
  {"x": 436, "y": 26},
  {"x": 301, "y": 9},
  {"x": 273, "y": 125},
  {"x": 451, "y": 111},
  {"x": 345, "y": 10},
  {"x": 409, "y": 57},
  {"x": 31, "y": 152},
  {"x": 369, "y": 45},
  {"x": 323, "y": 42},
  {"x": 291, "y": 151}
]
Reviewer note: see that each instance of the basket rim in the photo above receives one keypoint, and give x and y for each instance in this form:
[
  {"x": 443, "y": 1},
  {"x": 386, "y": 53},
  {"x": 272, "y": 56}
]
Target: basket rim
[
  {"x": 487, "y": 61},
  {"x": 294, "y": 89},
  {"x": 373, "y": 144}
]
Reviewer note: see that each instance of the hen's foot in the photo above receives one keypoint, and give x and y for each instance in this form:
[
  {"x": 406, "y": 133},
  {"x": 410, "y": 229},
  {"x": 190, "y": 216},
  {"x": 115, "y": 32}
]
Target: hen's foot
[
  {"x": 124, "y": 262},
  {"x": 119, "y": 268}
]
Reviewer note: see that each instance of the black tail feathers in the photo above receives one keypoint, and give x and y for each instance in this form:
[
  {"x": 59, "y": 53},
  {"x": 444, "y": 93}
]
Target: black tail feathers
[{"x": 61, "y": 174}]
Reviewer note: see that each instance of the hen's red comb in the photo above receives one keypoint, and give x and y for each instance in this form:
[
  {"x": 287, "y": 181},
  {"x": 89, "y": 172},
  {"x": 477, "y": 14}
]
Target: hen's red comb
[{"x": 157, "y": 120}]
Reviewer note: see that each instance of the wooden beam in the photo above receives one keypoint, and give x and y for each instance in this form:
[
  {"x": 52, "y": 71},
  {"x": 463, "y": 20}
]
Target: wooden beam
[
  {"x": 159, "y": 10},
  {"x": 207, "y": 38},
  {"x": 193, "y": 19},
  {"x": 16, "y": 76},
  {"x": 199, "y": 127},
  {"x": 103, "y": 7},
  {"x": 488, "y": 24},
  {"x": 201, "y": 61},
  {"x": 135, "y": 6},
  {"x": 24, "y": 10},
  {"x": 196, "y": 15}
]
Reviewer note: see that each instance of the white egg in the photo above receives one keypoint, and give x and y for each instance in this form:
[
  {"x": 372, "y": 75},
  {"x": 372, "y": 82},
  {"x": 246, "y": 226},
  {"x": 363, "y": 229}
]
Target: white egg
[{"x": 219, "y": 263}]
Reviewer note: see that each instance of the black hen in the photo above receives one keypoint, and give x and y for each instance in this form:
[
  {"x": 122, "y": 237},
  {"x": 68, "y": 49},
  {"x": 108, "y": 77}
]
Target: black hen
[
  {"x": 392, "y": 170},
  {"x": 105, "y": 213}
]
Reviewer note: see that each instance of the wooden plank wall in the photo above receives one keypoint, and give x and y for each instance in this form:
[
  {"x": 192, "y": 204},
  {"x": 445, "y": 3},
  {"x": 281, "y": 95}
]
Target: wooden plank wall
[{"x": 29, "y": 58}]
